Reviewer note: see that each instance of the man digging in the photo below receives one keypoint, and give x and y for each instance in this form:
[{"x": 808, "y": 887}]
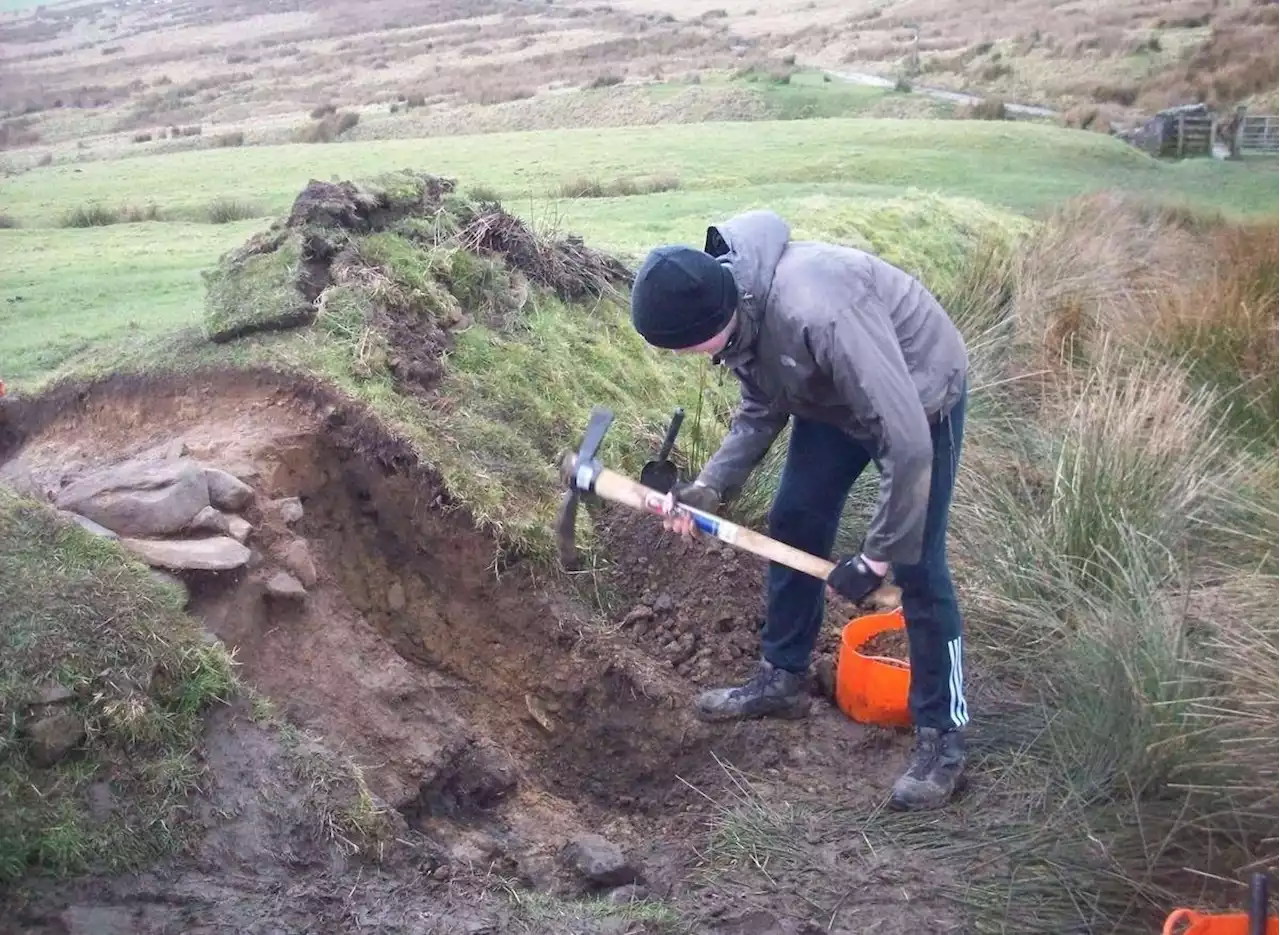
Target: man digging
[{"x": 868, "y": 367}]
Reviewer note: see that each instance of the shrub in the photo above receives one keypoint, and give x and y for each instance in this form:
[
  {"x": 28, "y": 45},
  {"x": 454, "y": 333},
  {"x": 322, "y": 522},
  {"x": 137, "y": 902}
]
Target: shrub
[
  {"x": 1123, "y": 94},
  {"x": 142, "y": 138},
  {"x": 8, "y": 223},
  {"x": 329, "y": 128},
  {"x": 96, "y": 215},
  {"x": 226, "y": 210},
  {"x": 228, "y": 140},
  {"x": 90, "y": 216},
  {"x": 605, "y": 81},
  {"x": 991, "y": 108},
  {"x": 619, "y": 187},
  {"x": 323, "y": 110}
]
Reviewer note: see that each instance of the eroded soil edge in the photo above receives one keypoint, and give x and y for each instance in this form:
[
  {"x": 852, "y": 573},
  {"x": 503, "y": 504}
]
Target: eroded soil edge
[{"x": 494, "y": 711}]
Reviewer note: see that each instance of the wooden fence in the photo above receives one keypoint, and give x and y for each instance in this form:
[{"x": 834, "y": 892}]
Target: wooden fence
[
  {"x": 1188, "y": 135},
  {"x": 1256, "y": 136}
]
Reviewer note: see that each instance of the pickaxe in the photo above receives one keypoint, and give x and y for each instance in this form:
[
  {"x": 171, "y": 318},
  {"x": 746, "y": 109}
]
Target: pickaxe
[{"x": 582, "y": 472}]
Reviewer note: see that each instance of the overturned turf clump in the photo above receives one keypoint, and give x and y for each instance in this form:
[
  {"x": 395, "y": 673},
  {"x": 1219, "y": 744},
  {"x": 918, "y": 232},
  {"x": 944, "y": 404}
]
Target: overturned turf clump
[{"x": 398, "y": 265}]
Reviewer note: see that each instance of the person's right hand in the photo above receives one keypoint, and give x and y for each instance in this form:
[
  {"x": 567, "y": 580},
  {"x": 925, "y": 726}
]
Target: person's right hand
[{"x": 700, "y": 497}]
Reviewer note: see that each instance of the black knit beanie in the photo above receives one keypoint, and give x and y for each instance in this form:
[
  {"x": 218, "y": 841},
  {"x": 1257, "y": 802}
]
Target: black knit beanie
[{"x": 681, "y": 297}]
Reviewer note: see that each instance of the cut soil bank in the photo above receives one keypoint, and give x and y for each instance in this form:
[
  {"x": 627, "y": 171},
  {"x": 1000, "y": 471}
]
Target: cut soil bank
[{"x": 486, "y": 705}]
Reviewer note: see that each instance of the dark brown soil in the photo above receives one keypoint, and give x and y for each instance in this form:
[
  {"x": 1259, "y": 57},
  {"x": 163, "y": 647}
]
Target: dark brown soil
[
  {"x": 697, "y": 605},
  {"x": 487, "y": 707},
  {"x": 891, "y": 644}
]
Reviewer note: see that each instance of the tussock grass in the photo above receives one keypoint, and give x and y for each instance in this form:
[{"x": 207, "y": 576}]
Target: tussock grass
[
  {"x": 1114, "y": 538},
  {"x": 619, "y": 187},
  {"x": 225, "y": 210},
  {"x": 76, "y": 613},
  {"x": 97, "y": 215},
  {"x": 328, "y": 128},
  {"x": 1115, "y": 571},
  {"x": 1225, "y": 324}
]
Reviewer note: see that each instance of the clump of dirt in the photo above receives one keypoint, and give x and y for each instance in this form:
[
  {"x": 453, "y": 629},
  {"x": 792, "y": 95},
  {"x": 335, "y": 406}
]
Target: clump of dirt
[
  {"x": 890, "y": 644},
  {"x": 698, "y": 605}
]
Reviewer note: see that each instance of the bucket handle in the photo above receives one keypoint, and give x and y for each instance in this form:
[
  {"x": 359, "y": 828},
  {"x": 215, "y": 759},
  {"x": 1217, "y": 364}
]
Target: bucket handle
[{"x": 1179, "y": 915}]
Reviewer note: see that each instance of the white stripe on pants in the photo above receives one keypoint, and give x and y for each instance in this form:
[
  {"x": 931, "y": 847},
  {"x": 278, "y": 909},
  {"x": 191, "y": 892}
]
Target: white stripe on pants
[{"x": 955, "y": 685}]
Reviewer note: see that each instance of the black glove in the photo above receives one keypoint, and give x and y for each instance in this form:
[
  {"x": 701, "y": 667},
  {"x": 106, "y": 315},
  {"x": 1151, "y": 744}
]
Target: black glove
[
  {"x": 853, "y": 579},
  {"x": 698, "y": 496}
]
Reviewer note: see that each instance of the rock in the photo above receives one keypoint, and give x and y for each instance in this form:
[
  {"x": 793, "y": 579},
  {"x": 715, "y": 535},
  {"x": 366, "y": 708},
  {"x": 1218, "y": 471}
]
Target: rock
[
  {"x": 476, "y": 849},
  {"x": 210, "y": 520},
  {"x": 625, "y": 895},
  {"x": 239, "y": 528},
  {"x": 85, "y": 523},
  {"x": 600, "y": 860},
  {"x": 637, "y": 614},
  {"x": 226, "y": 491},
  {"x": 824, "y": 677},
  {"x": 663, "y": 604},
  {"x": 53, "y": 737},
  {"x": 395, "y": 597},
  {"x": 216, "y": 553},
  {"x": 470, "y": 779},
  {"x": 285, "y": 586},
  {"x": 296, "y": 557},
  {"x": 290, "y": 510},
  {"x": 140, "y": 498}
]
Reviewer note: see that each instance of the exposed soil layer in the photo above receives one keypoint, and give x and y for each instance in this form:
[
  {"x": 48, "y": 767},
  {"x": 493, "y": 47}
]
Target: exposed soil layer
[
  {"x": 488, "y": 707},
  {"x": 696, "y": 604}
]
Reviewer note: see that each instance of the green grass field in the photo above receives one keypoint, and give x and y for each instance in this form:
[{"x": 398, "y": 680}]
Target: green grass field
[
  {"x": 72, "y": 294},
  {"x": 1019, "y": 166}
]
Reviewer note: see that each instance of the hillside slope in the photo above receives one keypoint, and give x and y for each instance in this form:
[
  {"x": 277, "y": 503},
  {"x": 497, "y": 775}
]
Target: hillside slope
[{"x": 1135, "y": 56}]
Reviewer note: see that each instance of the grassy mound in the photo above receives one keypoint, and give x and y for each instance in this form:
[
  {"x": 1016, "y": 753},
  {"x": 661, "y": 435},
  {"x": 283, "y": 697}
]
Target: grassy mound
[
  {"x": 484, "y": 342},
  {"x": 102, "y": 683}
]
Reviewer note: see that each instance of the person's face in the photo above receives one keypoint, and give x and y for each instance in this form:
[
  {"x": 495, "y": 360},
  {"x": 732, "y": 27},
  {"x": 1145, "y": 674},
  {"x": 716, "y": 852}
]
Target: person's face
[{"x": 713, "y": 345}]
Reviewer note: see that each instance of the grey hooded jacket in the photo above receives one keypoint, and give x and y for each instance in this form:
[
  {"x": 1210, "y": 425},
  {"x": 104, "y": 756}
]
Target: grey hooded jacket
[{"x": 834, "y": 334}]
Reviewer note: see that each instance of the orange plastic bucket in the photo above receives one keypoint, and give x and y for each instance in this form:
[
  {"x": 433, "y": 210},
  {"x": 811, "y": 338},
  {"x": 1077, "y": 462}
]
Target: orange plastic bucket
[
  {"x": 1190, "y": 922},
  {"x": 872, "y": 689}
]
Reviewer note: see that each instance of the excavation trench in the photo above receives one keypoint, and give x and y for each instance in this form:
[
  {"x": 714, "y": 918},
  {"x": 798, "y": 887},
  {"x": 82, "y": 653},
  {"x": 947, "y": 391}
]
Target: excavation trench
[{"x": 478, "y": 700}]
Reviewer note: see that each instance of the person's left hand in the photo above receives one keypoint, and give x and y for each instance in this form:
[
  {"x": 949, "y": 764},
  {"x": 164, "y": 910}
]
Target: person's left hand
[{"x": 856, "y": 577}]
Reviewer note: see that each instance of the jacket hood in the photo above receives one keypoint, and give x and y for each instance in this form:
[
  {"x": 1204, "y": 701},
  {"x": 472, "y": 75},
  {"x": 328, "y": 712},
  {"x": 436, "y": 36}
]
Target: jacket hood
[{"x": 751, "y": 243}]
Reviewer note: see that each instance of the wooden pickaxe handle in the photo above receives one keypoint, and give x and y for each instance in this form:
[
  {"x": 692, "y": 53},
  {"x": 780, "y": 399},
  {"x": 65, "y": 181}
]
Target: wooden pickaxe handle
[{"x": 621, "y": 489}]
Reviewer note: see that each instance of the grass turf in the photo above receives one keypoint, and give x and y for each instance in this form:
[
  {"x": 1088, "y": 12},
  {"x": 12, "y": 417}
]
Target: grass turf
[{"x": 77, "y": 613}]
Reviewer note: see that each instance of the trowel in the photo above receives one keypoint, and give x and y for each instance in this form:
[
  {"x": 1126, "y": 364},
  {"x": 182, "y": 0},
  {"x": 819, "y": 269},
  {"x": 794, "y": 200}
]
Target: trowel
[{"x": 661, "y": 473}]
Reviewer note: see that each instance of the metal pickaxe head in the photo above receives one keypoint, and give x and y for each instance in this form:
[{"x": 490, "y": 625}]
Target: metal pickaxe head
[{"x": 578, "y": 471}]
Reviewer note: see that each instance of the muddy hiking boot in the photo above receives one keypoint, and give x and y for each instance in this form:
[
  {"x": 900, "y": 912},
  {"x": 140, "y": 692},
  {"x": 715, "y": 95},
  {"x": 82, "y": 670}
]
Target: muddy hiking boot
[
  {"x": 772, "y": 692},
  {"x": 935, "y": 774}
]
